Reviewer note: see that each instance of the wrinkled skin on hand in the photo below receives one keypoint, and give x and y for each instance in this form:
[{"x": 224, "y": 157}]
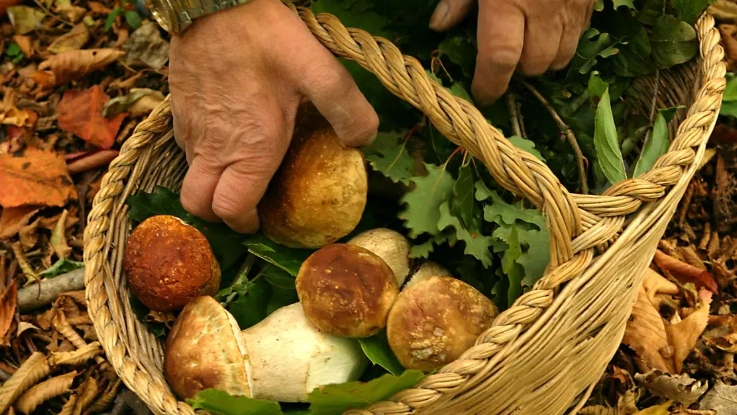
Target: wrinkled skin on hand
[
  {"x": 237, "y": 78},
  {"x": 529, "y": 36}
]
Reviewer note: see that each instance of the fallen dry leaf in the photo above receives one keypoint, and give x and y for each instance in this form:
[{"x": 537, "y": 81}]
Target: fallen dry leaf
[
  {"x": 92, "y": 160},
  {"x": 684, "y": 334},
  {"x": 139, "y": 101},
  {"x": 680, "y": 388},
  {"x": 58, "y": 237},
  {"x": 28, "y": 235},
  {"x": 724, "y": 10},
  {"x": 661, "y": 409},
  {"x": 8, "y": 302},
  {"x": 11, "y": 115},
  {"x": 646, "y": 332},
  {"x": 74, "y": 64},
  {"x": 12, "y": 220},
  {"x": 26, "y": 45},
  {"x": 25, "y": 19},
  {"x": 39, "y": 178},
  {"x": 685, "y": 272},
  {"x": 80, "y": 112},
  {"x": 74, "y": 40},
  {"x": 146, "y": 48},
  {"x": 721, "y": 398}
]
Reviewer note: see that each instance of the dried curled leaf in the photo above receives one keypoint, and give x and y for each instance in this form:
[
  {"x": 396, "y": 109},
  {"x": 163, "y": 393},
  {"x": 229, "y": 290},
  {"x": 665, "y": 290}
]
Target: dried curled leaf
[
  {"x": 680, "y": 388},
  {"x": 35, "y": 368},
  {"x": 76, "y": 357},
  {"x": 74, "y": 64},
  {"x": 62, "y": 326},
  {"x": 104, "y": 401},
  {"x": 44, "y": 391},
  {"x": 87, "y": 393},
  {"x": 684, "y": 334},
  {"x": 8, "y": 300},
  {"x": 685, "y": 272},
  {"x": 68, "y": 408},
  {"x": 722, "y": 398}
]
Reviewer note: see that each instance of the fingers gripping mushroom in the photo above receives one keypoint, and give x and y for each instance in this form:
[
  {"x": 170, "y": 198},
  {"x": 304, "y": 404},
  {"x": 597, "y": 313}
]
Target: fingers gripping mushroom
[
  {"x": 346, "y": 290},
  {"x": 282, "y": 358},
  {"x": 319, "y": 192},
  {"x": 168, "y": 263},
  {"x": 391, "y": 246},
  {"x": 435, "y": 320}
]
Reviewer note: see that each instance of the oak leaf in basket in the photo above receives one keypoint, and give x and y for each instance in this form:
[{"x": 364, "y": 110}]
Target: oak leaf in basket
[
  {"x": 80, "y": 113},
  {"x": 37, "y": 177},
  {"x": 660, "y": 344}
]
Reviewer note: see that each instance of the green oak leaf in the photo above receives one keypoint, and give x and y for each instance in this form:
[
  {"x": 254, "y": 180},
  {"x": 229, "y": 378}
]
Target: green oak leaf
[
  {"x": 388, "y": 155},
  {"x": 511, "y": 268},
  {"x": 422, "y": 202},
  {"x": 673, "y": 41},
  {"x": 527, "y": 145},
  {"x": 219, "y": 402},
  {"x": 337, "y": 398},
  {"x": 463, "y": 204},
  {"x": 476, "y": 244},
  {"x": 378, "y": 351},
  {"x": 461, "y": 51},
  {"x": 592, "y": 46}
]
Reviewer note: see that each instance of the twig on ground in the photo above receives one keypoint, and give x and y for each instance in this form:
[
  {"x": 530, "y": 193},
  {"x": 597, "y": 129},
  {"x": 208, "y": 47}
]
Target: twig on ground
[
  {"x": 45, "y": 292},
  {"x": 566, "y": 130},
  {"x": 511, "y": 99}
]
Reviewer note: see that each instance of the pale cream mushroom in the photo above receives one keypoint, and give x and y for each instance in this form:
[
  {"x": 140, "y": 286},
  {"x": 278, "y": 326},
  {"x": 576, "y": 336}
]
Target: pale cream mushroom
[
  {"x": 391, "y": 246},
  {"x": 426, "y": 270}
]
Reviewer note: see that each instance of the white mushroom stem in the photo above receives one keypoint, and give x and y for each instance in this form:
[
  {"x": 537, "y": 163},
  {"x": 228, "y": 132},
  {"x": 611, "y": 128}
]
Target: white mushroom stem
[
  {"x": 289, "y": 357},
  {"x": 389, "y": 245},
  {"x": 428, "y": 269}
]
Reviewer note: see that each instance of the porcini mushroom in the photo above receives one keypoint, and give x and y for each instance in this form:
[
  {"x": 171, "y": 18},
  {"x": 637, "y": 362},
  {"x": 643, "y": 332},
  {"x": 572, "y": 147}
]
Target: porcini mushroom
[
  {"x": 426, "y": 270},
  {"x": 435, "y": 320},
  {"x": 168, "y": 262},
  {"x": 390, "y": 245},
  {"x": 346, "y": 290},
  {"x": 319, "y": 192},
  {"x": 282, "y": 358}
]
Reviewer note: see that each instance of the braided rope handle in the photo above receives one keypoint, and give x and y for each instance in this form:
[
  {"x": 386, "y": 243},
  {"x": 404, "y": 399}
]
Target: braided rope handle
[{"x": 577, "y": 223}]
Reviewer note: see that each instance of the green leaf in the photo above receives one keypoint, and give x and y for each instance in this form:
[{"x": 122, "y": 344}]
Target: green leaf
[
  {"x": 463, "y": 204},
  {"x": 62, "y": 266},
  {"x": 133, "y": 19},
  {"x": 607, "y": 142},
  {"x": 511, "y": 268},
  {"x": 25, "y": 19},
  {"x": 278, "y": 277},
  {"x": 388, "y": 154},
  {"x": 596, "y": 85},
  {"x": 141, "y": 311},
  {"x": 250, "y": 305},
  {"x": 476, "y": 244},
  {"x": 626, "y": 3},
  {"x": 336, "y": 399},
  {"x": 527, "y": 145},
  {"x": 288, "y": 259},
  {"x": 226, "y": 243},
  {"x": 729, "y": 108},
  {"x": 422, "y": 202},
  {"x": 111, "y": 18},
  {"x": 536, "y": 257},
  {"x": 690, "y": 10},
  {"x": 655, "y": 147},
  {"x": 220, "y": 402},
  {"x": 592, "y": 46},
  {"x": 730, "y": 91},
  {"x": 503, "y": 213},
  {"x": 674, "y": 42},
  {"x": 461, "y": 51},
  {"x": 635, "y": 53},
  {"x": 377, "y": 349}
]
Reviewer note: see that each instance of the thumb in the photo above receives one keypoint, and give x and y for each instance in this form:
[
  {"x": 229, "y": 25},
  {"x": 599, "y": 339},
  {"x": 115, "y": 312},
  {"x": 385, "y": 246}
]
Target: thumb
[{"x": 449, "y": 13}]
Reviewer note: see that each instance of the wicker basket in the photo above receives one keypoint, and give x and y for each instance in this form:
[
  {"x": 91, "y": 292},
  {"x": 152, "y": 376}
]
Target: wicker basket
[{"x": 545, "y": 353}]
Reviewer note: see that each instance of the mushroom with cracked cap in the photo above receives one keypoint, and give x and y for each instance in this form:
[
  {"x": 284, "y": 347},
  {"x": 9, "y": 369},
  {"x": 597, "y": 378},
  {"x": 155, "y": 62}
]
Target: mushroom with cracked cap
[
  {"x": 435, "y": 320},
  {"x": 168, "y": 262},
  {"x": 391, "y": 246},
  {"x": 346, "y": 290},
  {"x": 282, "y": 358}
]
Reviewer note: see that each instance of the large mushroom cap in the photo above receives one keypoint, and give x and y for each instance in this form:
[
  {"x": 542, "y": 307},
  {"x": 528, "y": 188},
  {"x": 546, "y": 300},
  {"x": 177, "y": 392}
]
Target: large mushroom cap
[
  {"x": 435, "y": 320},
  {"x": 346, "y": 290},
  {"x": 319, "y": 192},
  {"x": 167, "y": 263},
  {"x": 205, "y": 350},
  {"x": 390, "y": 245}
]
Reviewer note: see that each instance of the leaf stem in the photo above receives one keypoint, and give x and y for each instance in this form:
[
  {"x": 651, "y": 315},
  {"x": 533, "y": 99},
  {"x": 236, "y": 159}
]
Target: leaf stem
[
  {"x": 565, "y": 130},
  {"x": 241, "y": 279}
]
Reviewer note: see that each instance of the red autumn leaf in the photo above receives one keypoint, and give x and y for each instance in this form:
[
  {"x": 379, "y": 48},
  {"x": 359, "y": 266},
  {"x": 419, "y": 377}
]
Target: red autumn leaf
[
  {"x": 685, "y": 272},
  {"x": 12, "y": 220},
  {"x": 36, "y": 178},
  {"x": 80, "y": 113},
  {"x": 8, "y": 301}
]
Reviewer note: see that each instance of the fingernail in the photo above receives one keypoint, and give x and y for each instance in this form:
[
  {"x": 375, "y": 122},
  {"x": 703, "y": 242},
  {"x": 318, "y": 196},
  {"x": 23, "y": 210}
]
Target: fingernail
[{"x": 439, "y": 16}]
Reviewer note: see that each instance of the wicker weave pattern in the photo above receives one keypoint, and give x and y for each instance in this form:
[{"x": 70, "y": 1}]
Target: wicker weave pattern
[{"x": 525, "y": 362}]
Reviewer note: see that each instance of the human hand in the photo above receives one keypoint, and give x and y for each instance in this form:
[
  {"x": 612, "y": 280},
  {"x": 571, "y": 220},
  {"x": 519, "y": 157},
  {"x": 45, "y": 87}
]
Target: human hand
[
  {"x": 531, "y": 36},
  {"x": 236, "y": 79}
]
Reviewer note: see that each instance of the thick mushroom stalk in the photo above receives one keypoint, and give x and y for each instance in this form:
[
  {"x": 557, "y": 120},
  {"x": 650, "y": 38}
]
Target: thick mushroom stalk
[
  {"x": 168, "y": 263},
  {"x": 290, "y": 357},
  {"x": 435, "y": 320},
  {"x": 346, "y": 290},
  {"x": 391, "y": 246},
  {"x": 282, "y": 358},
  {"x": 319, "y": 192}
]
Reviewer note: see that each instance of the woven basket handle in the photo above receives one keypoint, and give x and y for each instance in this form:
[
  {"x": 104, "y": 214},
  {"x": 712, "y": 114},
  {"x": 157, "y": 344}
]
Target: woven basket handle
[{"x": 458, "y": 120}]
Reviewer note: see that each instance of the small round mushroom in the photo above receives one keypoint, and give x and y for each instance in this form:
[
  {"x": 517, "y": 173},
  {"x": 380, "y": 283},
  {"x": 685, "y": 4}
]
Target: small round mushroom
[
  {"x": 435, "y": 320},
  {"x": 390, "y": 245},
  {"x": 282, "y": 358},
  {"x": 168, "y": 263},
  {"x": 426, "y": 270},
  {"x": 319, "y": 193},
  {"x": 346, "y": 290}
]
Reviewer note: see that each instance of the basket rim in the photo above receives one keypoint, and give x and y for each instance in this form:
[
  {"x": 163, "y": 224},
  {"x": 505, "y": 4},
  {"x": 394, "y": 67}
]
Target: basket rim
[{"x": 584, "y": 214}]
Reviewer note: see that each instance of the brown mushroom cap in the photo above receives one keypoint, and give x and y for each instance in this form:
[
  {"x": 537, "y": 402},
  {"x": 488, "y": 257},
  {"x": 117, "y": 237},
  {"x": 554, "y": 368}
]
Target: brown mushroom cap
[
  {"x": 346, "y": 290},
  {"x": 205, "y": 350},
  {"x": 319, "y": 192},
  {"x": 435, "y": 320},
  {"x": 391, "y": 246},
  {"x": 168, "y": 263}
]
